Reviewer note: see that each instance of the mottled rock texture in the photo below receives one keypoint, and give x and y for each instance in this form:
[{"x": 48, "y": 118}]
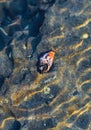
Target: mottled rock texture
[
  {"x": 61, "y": 98},
  {"x": 5, "y": 65}
]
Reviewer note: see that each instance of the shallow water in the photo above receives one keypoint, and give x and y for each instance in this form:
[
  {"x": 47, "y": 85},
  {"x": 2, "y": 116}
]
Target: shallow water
[{"x": 61, "y": 98}]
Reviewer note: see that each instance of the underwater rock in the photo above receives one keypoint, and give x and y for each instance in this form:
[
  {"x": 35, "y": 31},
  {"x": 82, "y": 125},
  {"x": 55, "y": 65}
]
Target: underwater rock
[
  {"x": 42, "y": 4},
  {"x": 30, "y": 12},
  {"x": 23, "y": 76},
  {"x": 36, "y": 100},
  {"x": 4, "y": 39},
  {"x": 2, "y": 14},
  {"x": 16, "y": 126},
  {"x": 1, "y": 81},
  {"x": 45, "y": 4},
  {"x": 23, "y": 62},
  {"x": 18, "y": 77},
  {"x": 15, "y": 7},
  {"x": 60, "y": 2},
  {"x": 18, "y": 50},
  {"x": 66, "y": 128},
  {"x": 15, "y": 26},
  {"x": 35, "y": 23},
  {"x": 42, "y": 124},
  {"x": 52, "y": 20},
  {"x": 12, "y": 125},
  {"x": 83, "y": 121},
  {"x": 4, "y": 86},
  {"x": 6, "y": 67}
]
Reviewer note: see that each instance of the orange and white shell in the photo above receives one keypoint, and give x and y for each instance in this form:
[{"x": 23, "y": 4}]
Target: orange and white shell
[{"x": 46, "y": 61}]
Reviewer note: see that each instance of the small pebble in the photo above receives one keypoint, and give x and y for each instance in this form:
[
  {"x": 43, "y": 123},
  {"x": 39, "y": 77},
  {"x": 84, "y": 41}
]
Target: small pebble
[
  {"x": 85, "y": 36},
  {"x": 46, "y": 90},
  {"x": 24, "y": 47}
]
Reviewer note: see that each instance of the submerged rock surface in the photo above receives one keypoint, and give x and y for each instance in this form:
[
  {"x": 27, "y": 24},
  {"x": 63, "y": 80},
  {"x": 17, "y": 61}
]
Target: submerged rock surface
[{"x": 61, "y": 98}]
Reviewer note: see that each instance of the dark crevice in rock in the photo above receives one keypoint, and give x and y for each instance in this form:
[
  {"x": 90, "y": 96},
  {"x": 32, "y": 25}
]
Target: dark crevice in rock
[
  {"x": 4, "y": 39},
  {"x": 35, "y": 23},
  {"x": 42, "y": 4},
  {"x": 1, "y": 81},
  {"x": 2, "y": 14},
  {"x": 15, "y": 126},
  {"x": 9, "y": 54},
  {"x": 61, "y": 2},
  {"x": 15, "y": 7},
  {"x": 35, "y": 42},
  {"x": 75, "y": 93},
  {"x": 30, "y": 12}
]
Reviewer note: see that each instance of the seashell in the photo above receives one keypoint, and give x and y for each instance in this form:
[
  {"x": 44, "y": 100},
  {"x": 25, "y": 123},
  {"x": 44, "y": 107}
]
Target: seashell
[{"x": 46, "y": 61}]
